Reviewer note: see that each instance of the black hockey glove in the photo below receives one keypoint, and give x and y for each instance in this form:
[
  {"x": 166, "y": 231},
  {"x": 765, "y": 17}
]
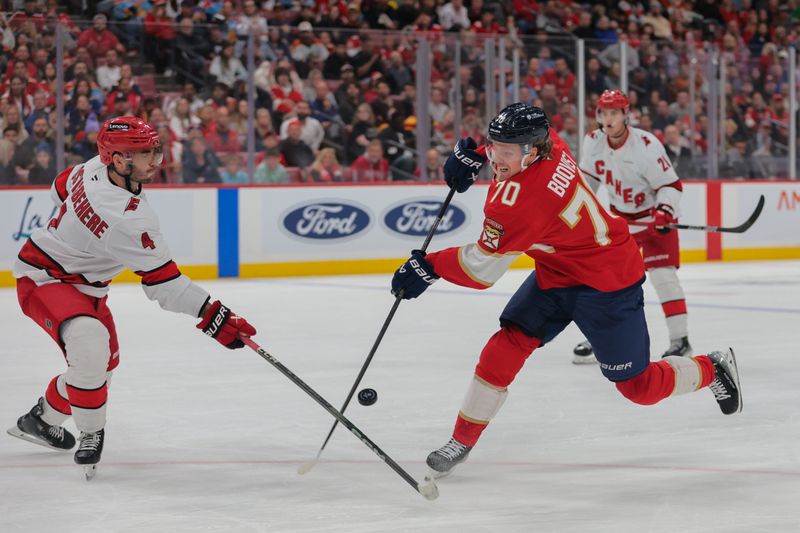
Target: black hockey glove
[
  {"x": 413, "y": 277},
  {"x": 462, "y": 167}
]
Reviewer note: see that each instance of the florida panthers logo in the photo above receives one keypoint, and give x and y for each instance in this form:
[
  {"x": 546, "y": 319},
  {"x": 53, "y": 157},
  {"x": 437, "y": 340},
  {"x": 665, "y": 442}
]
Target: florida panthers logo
[{"x": 492, "y": 231}]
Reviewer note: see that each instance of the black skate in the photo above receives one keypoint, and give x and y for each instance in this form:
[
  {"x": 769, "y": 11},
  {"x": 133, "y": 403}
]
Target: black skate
[
  {"x": 32, "y": 428},
  {"x": 678, "y": 347},
  {"x": 89, "y": 452},
  {"x": 583, "y": 354},
  {"x": 725, "y": 386},
  {"x": 442, "y": 461}
]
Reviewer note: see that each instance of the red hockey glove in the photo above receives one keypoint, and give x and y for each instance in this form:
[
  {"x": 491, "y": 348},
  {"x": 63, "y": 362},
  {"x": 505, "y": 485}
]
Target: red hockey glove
[
  {"x": 663, "y": 216},
  {"x": 220, "y": 323}
]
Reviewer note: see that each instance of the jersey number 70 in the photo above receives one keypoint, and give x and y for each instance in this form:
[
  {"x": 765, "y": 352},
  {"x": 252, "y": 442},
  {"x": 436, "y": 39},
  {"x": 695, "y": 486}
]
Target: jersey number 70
[{"x": 571, "y": 214}]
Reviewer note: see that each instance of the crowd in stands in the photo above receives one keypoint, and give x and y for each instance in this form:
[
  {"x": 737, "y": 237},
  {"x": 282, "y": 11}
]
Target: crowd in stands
[{"x": 335, "y": 87}]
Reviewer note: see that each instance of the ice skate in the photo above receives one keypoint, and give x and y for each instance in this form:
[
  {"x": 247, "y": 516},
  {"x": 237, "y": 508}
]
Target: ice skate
[
  {"x": 30, "y": 427},
  {"x": 725, "y": 386},
  {"x": 442, "y": 461},
  {"x": 678, "y": 347},
  {"x": 89, "y": 452},
  {"x": 583, "y": 354}
]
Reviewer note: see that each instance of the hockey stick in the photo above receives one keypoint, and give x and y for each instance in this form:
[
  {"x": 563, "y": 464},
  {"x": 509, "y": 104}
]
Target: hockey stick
[
  {"x": 428, "y": 488},
  {"x": 741, "y": 228},
  {"x": 306, "y": 467}
]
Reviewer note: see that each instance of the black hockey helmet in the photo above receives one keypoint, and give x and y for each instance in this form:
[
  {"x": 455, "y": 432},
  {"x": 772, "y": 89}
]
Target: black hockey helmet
[{"x": 522, "y": 124}]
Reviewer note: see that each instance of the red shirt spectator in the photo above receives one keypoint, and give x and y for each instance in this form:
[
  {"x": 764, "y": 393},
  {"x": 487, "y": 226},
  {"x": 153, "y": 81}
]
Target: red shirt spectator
[
  {"x": 371, "y": 165},
  {"x": 158, "y": 24},
  {"x": 221, "y": 138},
  {"x": 99, "y": 38}
]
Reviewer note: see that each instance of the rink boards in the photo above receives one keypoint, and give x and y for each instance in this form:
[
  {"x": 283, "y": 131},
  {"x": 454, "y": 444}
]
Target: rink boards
[{"x": 255, "y": 231}]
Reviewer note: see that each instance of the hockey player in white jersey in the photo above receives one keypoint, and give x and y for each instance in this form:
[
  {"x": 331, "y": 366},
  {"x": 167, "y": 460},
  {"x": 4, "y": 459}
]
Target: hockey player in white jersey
[
  {"x": 104, "y": 224},
  {"x": 643, "y": 187}
]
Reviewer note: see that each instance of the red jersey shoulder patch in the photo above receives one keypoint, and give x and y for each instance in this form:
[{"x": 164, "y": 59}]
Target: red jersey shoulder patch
[{"x": 492, "y": 231}]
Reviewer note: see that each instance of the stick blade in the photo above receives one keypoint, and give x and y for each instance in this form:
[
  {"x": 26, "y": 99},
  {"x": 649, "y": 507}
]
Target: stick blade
[
  {"x": 306, "y": 467},
  {"x": 428, "y": 489}
]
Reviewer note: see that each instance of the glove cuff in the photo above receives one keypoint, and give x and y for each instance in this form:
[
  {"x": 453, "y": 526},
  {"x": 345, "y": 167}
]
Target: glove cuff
[{"x": 666, "y": 208}]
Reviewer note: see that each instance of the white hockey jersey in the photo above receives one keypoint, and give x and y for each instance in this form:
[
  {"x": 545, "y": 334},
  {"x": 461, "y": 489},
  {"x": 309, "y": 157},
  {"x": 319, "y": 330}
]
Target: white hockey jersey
[
  {"x": 99, "y": 230},
  {"x": 639, "y": 174}
]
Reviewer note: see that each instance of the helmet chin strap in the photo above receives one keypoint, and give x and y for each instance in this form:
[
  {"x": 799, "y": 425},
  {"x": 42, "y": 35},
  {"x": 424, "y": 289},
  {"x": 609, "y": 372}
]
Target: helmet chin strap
[{"x": 127, "y": 177}]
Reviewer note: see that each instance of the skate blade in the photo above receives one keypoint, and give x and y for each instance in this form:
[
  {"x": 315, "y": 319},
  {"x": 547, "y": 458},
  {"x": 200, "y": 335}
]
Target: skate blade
[
  {"x": 435, "y": 474},
  {"x": 89, "y": 471},
  {"x": 584, "y": 360},
  {"x": 736, "y": 380},
  {"x": 18, "y": 433}
]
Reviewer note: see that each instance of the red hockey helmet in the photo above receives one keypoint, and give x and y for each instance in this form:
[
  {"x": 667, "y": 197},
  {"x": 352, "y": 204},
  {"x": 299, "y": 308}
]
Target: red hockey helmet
[
  {"x": 614, "y": 100},
  {"x": 125, "y": 135}
]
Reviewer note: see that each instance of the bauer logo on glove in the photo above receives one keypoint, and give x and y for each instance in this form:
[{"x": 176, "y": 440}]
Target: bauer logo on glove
[{"x": 463, "y": 166}]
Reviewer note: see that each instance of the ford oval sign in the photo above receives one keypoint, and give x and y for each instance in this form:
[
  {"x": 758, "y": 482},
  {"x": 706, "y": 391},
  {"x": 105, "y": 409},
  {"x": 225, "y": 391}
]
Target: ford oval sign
[
  {"x": 416, "y": 218},
  {"x": 326, "y": 220}
]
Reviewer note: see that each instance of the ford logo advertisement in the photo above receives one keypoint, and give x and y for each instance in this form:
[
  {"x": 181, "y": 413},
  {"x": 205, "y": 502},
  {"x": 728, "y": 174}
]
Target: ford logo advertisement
[
  {"x": 415, "y": 218},
  {"x": 326, "y": 220}
]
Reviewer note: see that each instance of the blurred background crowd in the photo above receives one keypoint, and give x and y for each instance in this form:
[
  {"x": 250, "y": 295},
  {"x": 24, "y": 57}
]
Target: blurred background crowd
[{"x": 335, "y": 92}]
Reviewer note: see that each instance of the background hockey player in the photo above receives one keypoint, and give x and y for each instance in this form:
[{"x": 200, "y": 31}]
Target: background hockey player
[
  {"x": 643, "y": 187},
  {"x": 103, "y": 225},
  {"x": 588, "y": 270}
]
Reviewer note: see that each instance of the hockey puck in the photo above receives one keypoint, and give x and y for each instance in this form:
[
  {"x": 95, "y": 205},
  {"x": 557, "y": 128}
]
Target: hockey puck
[{"x": 367, "y": 396}]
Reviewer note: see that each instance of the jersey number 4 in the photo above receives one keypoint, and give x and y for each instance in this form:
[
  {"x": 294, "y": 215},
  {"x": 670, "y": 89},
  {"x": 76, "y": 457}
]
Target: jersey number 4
[{"x": 584, "y": 200}]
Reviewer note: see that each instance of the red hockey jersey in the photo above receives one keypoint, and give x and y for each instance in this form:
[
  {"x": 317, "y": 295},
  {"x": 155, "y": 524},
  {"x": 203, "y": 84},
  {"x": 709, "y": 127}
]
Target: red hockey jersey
[{"x": 548, "y": 212}]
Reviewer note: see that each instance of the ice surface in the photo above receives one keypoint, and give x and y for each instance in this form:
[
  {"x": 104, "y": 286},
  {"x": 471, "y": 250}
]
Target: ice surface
[{"x": 201, "y": 439}]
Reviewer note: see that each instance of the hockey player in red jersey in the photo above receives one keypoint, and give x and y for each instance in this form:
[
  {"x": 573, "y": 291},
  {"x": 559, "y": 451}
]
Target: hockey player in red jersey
[
  {"x": 642, "y": 187},
  {"x": 104, "y": 224},
  {"x": 588, "y": 270}
]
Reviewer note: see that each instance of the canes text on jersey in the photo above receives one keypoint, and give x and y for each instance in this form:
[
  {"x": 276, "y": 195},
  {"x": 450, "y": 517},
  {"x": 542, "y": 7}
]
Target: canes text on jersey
[{"x": 84, "y": 210}]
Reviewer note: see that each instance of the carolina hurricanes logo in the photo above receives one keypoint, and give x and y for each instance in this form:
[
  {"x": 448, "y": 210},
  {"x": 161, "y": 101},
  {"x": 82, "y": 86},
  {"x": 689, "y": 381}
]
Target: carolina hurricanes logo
[
  {"x": 133, "y": 205},
  {"x": 646, "y": 140},
  {"x": 492, "y": 231}
]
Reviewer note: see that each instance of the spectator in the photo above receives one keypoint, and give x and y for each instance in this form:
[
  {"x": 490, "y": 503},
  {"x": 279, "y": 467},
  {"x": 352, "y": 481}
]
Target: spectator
[
  {"x": 453, "y": 16},
  {"x": 323, "y": 107},
  {"x": 160, "y": 31},
  {"x": 40, "y": 109},
  {"x": 80, "y": 113},
  {"x": 263, "y": 127},
  {"x": 348, "y": 97},
  {"x": 123, "y": 100},
  {"x": 679, "y": 154},
  {"x": 182, "y": 119},
  {"x": 434, "y": 166},
  {"x": 12, "y": 118},
  {"x": 437, "y": 107},
  {"x": 284, "y": 94},
  {"x": 570, "y": 134},
  {"x": 232, "y": 174},
  {"x": 399, "y": 72},
  {"x": 605, "y": 31},
  {"x": 306, "y": 48},
  {"x": 188, "y": 51},
  {"x": 22, "y": 56},
  {"x": 270, "y": 170},
  {"x": 43, "y": 171},
  {"x": 83, "y": 87},
  {"x": 366, "y": 60},
  {"x": 336, "y": 61},
  {"x": 8, "y": 171},
  {"x": 85, "y": 146},
  {"x": 200, "y": 164},
  {"x": 26, "y": 153},
  {"x": 362, "y": 131},
  {"x": 221, "y": 138},
  {"x": 680, "y": 109},
  {"x": 295, "y": 152},
  {"x": 312, "y": 131},
  {"x": 99, "y": 38},
  {"x": 662, "y": 118},
  {"x": 371, "y": 165},
  {"x": 173, "y": 153},
  {"x": 325, "y": 168},
  {"x": 226, "y": 68},
  {"x": 17, "y": 96},
  {"x": 108, "y": 75}
]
